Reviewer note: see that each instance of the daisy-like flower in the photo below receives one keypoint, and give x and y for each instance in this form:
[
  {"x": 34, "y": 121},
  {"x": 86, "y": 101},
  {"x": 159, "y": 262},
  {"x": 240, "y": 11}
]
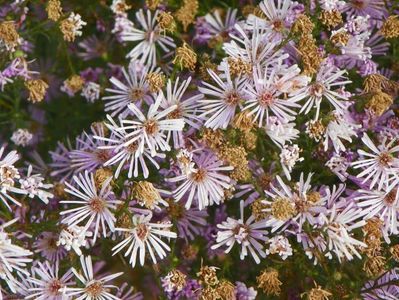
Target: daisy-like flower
[
  {"x": 289, "y": 156},
  {"x": 47, "y": 283},
  {"x": 380, "y": 165},
  {"x": 187, "y": 108},
  {"x": 152, "y": 131},
  {"x": 338, "y": 129},
  {"x": 383, "y": 204},
  {"x": 144, "y": 236},
  {"x": 327, "y": 78},
  {"x": 265, "y": 99},
  {"x": 13, "y": 258},
  {"x": 338, "y": 226},
  {"x": 293, "y": 205},
  {"x": 206, "y": 184},
  {"x": 33, "y": 185},
  {"x": 222, "y": 100},
  {"x": 95, "y": 205},
  {"x": 46, "y": 245},
  {"x": 73, "y": 237},
  {"x": 125, "y": 155},
  {"x": 249, "y": 234},
  {"x": 218, "y": 27},
  {"x": 8, "y": 177},
  {"x": 373, "y": 8},
  {"x": 149, "y": 38},
  {"x": 281, "y": 132},
  {"x": 134, "y": 90},
  {"x": 279, "y": 245},
  {"x": 93, "y": 288}
]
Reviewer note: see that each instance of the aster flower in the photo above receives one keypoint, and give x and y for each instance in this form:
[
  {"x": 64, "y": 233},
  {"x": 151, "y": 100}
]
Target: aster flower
[
  {"x": 73, "y": 237},
  {"x": 93, "y": 288},
  {"x": 206, "y": 185},
  {"x": 94, "y": 205},
  {"x": 149, "y": 38},
  {"x": 289, "y": 156},
  {"x": 279, "y": 245},
  {"x": 144, "y": 236},
  {"x": 33, "y": 185},
  {"x": 246, "y": 233},
  {"x": 125, "y": 155},
  {"x": 149, "y": 132},
  {"x": 8, "y": 176},
  {"x": 47, "y": 283},
  {"x": 380, "y": 165},
  {"x": 46, "y": 245},
  {"x": 122, "y": 94},
  {"x": 373, "y": 8},
  {"x": 265, "y": 99},
  {"x": 219, "y": 27},
  {"x": 289, "y": 206},
  {"x": 338, "y": 225},
  {"x": 327, "y": 78},
  {"x": 281, "y": 132},
  {"x": 222, "y": 100}
]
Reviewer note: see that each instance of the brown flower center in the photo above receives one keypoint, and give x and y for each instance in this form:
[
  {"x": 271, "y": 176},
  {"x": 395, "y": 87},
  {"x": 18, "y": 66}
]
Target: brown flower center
[
  {"x": 385, "y": 159},
  {"x": 151, "y": 127},
  {"x": 97, "y": 204},
  {"x": 95, "y": 289},
  {"x": 390, "y": 197},
  {"x": 232, "y": 98},
  {"x": 199, "y": 175},
  {"x": 136, "y": 94},
  {"x": 266, "y": 99},
  {"x": 142, "y": 231}
]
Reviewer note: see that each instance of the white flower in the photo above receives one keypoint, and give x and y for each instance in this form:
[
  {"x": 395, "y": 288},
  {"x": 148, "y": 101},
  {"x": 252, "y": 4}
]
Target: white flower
[
  {"x": 247, "y": 234},
  {"x": 222, "y": 100},
  {"x": 380, "y": 165},
  {"x": 149, "y": 132},
  {"x": 185, "y": 161},
  {"x": 13, "y": 258},
  {"x": 78, "y": 23},
  {"x": 144, "y": 235},
  {"x": 91, "y": 91},
  {"x": 338, "y": 227},
  {"x": 338, "y": 129},
  {"x": 148, "y": 38},
  {"x": 21, "y": 137},
  {"x": 206, "y": 185},
  {"x": 8, "y": 176},
  {"x": 47, "y": 285},
  {"x": 281, "y": 132},
  {"x": 93, "y": 288},
  {"x": 74, "y": 237},
  {"x": 279, "y": 245},
  {"x": 93, "y": 204},
  {"x": 33, "y": 185},
  {"x": 289, "y": 156}
]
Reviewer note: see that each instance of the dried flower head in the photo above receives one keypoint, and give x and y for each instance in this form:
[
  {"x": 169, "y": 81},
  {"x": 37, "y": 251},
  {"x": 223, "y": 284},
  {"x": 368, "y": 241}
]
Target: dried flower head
[
  {"x": 379, "y": 103},
  {"x": 101, "y": 175},
  {"x": 390, "y": 28},
  {"x": 187, "y": 12},
  {"x": 282, "y": 209},
  {"x": 317, "y": 293},
  {"x": 310, "y": 54},
  {"x": 374, "y": 265},
  {"x": 71, "y": 27},
  {"x": 176, "y": 279},
  {"x": 152, "y": 4},
  {"x": 340, "y": 38},
  {"x": 238, "y": 66},
  {"x": 258, "y": 210},
  {"x": 214, "y": 139},
  {"x": 236, "y": 156},
  {"x": 185, "y": 57},
  {"x": 74, "y": 83},
  {"x": 54, "y": 10},
  {"x": 302, "y": 25},
  {"x": 268, "y": 281},
  {"x": 394, "y": 250},
  {"x": 207, "y": 275},
  {"x": 9, "y": 35},
  {"x": 330, "y": 18},
  {"x": 226, "y": 290},
  {"x": 146, "y": 194},
  {"x": 37, "y": 89},
  {"x": 166, "y": 22},
  {"x": 156, "y": 81}
]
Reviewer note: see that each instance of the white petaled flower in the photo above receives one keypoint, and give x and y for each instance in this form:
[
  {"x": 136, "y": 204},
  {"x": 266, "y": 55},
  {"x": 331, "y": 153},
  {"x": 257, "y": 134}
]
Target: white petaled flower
[
  {"x": 94, "y": 205},
  {"x": 21, "y": 137},
  {"x": 187, "y": 107},
  {"x": 13, "y": 258},
  {"x": 206, "y": 184},
  {"x": 149, "y": 38},
  {"x": 93, "y": 288},
  {"x": 221, "y": 100},
  {"x": 289, "y": 156},
  {"x": 383, "y": 204},
  {"x": 339, "y": 166},
  {"x": 144, "y": 236},
  {"x": 279, "y": 245},
  {"x": 33, "y": 185},
  {"x": 8, "y": 176},
  {"x": 338, "y": 129},
  {"x": 338, "y": 226},
  {"x": 46, "y": 282},
  {"x": 249, "y": 234},
  {"x": 266, "y": 100},
  {"x": 153, "y": 130},
  {"x": 134, "y": 90},
  {"x": 74, "y": 237},
  {"x": 293, "y": 206},
  {"x": 126, "y": 155},
  {"x": 91, "y": 91},
  {"x": 327, "y": 78},
  {"x": 185, "y": 161},
  {"x": 379, "y": 165},
  {"x": 281, "y": 132},
  {"x": 77, "y": 22},
  {"x": 216, "y": 24}
]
